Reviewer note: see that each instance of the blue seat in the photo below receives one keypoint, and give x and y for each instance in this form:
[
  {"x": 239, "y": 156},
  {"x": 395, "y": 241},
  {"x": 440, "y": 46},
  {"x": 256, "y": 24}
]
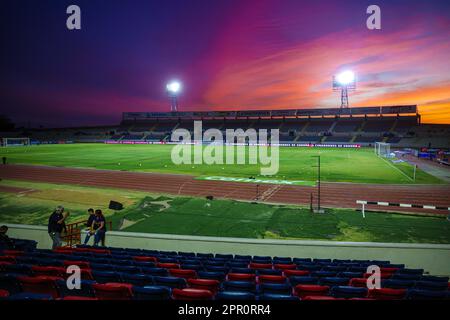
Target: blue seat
[
  {"x": 85, "y": 290},
  {"x": 25, "y": 260},
  {"x": 172, "y": 282},
  {"x": 411, "y": 271},
  {"x": 101, "y": 267},
  {"x": 196, "y": 267},
  {"x": 245, "y": 286},
  {"x": 281, "y": 297},
  {"x": 276, "y": 288},
  {"x": 271, "y": 272},
  {"x": 217, "y": 269},
  {"x": 155, "y": 271},
  {"x": 144, "y": 264},
  {"x": 243, "y": 270},
  {"x": 167, "y": 260},
  {"x": 342, "y": 261},
  {"x": 235, "y": 295},
  {"x": 406, "y": 276},
  {"x": 10, "y": 283},
  {"x": 214, "y": 263},
  {"x": 49, "y": 262},
  {"x": 205, "y": 255},
  {"x": 282, "y": 260},
  {"x": 295, "y": 280},
  {"x": 348, "y": 292},
  {"x": 262, "y": 258},
  {"x": 301, "y": 260},
  {"x": 335, "y": 268},
  {"x": 334, "y": 281},
  {"x": 322, "y": 261},
  {"x": 23, "y": 269},
  {"x": 29, "y": 296},
  {"x": 123, "y": 263},
  {"x": 398, "y": 284},
  {"x": 434, "y": 278},
  {"x": 309, "y": 267},
  {"x": 432, "y": 285},
  {"x": 324, "y": 274},
  {"x": 151, "y": 293},
  {"x": 128, "y": 269},
  {"x": 379, "y": 262},
  {"x": 220, "y": 276},
  {"x": 187, "y": 254},
  {"x": 391, "y": 265},
  {"x": 417, "y": 294},
  {"x": 137, "y": 279},
  {"x": 191, "y": 261},
  {"x": 350, "y": 275},
  {"x": 224, "y": 256},
  {"x": 358, "y": 269},
  {"x": 243, "y": 257},
  {"x": 106, "y": 276},
  {"x": 238, "y": 264}
]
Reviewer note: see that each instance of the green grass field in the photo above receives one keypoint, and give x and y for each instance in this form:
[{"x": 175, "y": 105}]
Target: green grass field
[
  {"x": 152, "y": 213},
  {"x": 338, "y": 165}
]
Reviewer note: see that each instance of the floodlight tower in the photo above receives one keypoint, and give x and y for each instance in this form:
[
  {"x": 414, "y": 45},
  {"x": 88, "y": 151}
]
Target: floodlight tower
[
  {"x": 173, "y": 89},
  {"x": 344, "y": 82}
]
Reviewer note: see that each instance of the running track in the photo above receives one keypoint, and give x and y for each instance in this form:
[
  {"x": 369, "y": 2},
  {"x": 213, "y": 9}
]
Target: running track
[{"x": 340, "y": 195}]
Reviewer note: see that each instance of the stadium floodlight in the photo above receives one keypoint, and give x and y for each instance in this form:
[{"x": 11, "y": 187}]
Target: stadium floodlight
[
  {"x": 346, "y": 77},
  {"x": 173, "y": 89},
  {"x": 344, "y": 82}
]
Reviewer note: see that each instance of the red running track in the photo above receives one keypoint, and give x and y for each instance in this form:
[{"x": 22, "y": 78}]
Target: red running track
[{"x": 337, "y": 195}]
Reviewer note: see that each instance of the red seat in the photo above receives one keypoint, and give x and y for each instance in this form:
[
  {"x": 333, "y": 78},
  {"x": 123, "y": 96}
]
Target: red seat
[
  {"x": 192, "y": 294},
  {"x": 382, "y": 275},
  {"x": 113, "y": 291},
  {"x": 4, "y": 263},
  {"x": 241, "y": 277},
  {"x": 319, "y": 298},
  {"x": 13, "y": 253},
  {"x": 387, "y": 294},
  {"x": 4, "y": 293},
  {"x": 11, "y": 259},
  {"x": 99, "y": 251},
  {"x": 285, "y": 266},
  {"x": 72, "y": 298},
  {"x": 145, "y": 259},
  {"x": 168, "y": 265},
  {"x": 63, "y": 250},
  {"x": 389, "y": 270},
  {"x": 289, "y": 273},
  {"x": 362, "y": 299},
  {"x": 206, "y": 284},
  {"x": 80, "y": 264},
  {"x": 358, "y": 282},
  {"x": 271, "y": 279},
  {"x": 49, "y": 271},
  {"x": 260, "y": 266},
  {"x": 183, "y": 273},
  {"x": 304, "y": 290},
  {"x": 40, "y": 284}
]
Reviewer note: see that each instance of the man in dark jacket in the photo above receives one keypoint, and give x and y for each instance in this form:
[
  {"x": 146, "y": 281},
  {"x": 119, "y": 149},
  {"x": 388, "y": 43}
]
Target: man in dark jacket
[
  {"x": 56, "y": 225},
  {"x": 89, "y": 223},
  {"x": 5, "y": 241}
]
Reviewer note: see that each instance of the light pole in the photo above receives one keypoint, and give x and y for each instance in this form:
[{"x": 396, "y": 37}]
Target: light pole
[
  {"x": 319, "y": 210},
  {"x": 173, "y": 89}
]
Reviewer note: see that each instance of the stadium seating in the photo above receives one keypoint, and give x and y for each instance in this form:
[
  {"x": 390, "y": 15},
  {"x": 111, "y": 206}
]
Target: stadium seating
[{"x": 120, "y": 273}]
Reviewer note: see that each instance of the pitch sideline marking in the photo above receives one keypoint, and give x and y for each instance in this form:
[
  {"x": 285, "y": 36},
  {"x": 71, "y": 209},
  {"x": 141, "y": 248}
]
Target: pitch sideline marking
[{"x": 411, "y": 179}]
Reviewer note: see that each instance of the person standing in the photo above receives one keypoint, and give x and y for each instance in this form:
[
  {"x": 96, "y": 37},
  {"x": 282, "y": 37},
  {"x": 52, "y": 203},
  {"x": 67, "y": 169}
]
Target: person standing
[
  {"x": 89, "y": 225},
  {"x": 100, "y": 227},
  {"x": 56, "y": 225}
]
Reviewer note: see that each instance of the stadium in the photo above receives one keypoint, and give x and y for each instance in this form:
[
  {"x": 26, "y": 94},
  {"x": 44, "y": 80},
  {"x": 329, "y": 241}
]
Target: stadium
[{"x": 359, "y": 193}]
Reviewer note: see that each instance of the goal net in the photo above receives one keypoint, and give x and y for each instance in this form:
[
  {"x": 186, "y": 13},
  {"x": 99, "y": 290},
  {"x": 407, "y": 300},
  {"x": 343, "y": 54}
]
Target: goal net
[
  {"x": 383, "y": 149},
  {"x": 9, "y": 142}
]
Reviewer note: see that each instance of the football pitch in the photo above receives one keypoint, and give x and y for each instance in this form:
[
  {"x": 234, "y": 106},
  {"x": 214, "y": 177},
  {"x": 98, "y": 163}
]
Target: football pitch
[
  {"x": 295, "y": 163},
  {"x": 161, "y": 214}
]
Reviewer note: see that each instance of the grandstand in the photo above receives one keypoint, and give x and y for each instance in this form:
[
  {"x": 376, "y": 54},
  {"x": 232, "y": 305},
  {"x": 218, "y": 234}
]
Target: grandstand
[
  {"x": 143, "y": 274},
  {"x": 398, "y": 125}
]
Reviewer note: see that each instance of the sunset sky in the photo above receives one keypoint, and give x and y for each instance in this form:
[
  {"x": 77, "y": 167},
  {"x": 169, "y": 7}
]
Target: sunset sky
[{"x": 229, "y": 55}]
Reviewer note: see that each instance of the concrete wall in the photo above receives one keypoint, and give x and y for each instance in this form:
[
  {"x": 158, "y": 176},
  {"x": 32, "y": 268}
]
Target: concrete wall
[{"x": 435, "y": 259}]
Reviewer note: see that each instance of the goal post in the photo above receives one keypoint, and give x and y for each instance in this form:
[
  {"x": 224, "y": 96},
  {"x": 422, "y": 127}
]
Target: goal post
[
  {"x": 383, "y": 149},
  {"x": 9, "y": 142}
]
